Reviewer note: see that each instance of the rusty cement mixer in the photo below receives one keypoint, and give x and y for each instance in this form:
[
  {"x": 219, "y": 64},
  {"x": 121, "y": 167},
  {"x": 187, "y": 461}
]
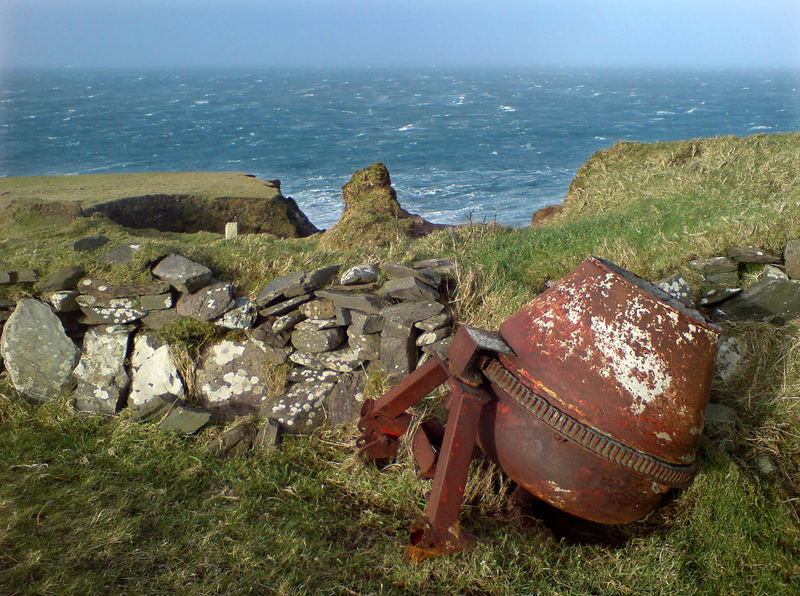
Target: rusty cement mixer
[{"x": 591, "y": 398}]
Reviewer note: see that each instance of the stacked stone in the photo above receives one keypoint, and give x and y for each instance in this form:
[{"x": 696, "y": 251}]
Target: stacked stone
[{"x": 334, "y": 336}]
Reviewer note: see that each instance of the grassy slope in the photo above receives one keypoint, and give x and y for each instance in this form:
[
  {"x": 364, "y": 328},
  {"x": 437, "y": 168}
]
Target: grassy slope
[
  {"x": 91, "y": 504},
  {"x": 100, "y": 188}
]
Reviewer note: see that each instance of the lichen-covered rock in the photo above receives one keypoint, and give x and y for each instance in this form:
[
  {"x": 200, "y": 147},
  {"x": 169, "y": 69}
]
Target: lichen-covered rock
[
  {"x": 730, "y": 354},
  {"x": 315, "y": 341},
  {"x": 431, "y": 337},
  {"x": 38, "y": 355},
  {"x": 282, "y": 308},
  {"x": 434, "y": 322},
  {"x": 676, "y": 286},
  {"x": 343, "y": 360},
  {"x": 287, "y": 321},
  {"x": 295, "y": 284},
  {"x": 156, "y": 302},
  {"x": 312, "y": 375},
  {"x": 360, "y": 274},
  {"x": 714, "y": 265},
  {"x": 362, "y": 323},
  {"x": 242, "y": 315},
  {"x": 319, "y": 309},
  {"x": 101, "y": 371},
  {"x": 101, "y": 315},
  {"x": 368, "y": 345},
  {"x": 368, "y": 303},
  {"x": 317, "y": 324},
  {"x": 156, "y": 319},
  {"x": 791, "y": 258},
  {"x": 64, "y": 301},
  {"x": 301, "y": 408},
  {"x": 183, "y": 274},
  {"x": 231, "y": 380},
  {"x": 155, "y": 383},
  {"x": 106, "y": 290},
  {"x": 717, "y": 295},
  {"x": 207, "y": 303},
  {"x": 272, "y": 345}
]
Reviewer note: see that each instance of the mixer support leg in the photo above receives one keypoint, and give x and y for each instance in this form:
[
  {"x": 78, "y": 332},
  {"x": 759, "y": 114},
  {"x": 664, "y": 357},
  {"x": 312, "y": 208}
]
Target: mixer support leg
[{"x": 439, "y": 533}]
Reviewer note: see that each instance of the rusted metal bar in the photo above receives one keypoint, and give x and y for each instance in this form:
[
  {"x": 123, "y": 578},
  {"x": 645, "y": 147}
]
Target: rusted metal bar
[
  {"x": 384, "y": 420},
  {"x": 439, "y": 532}
]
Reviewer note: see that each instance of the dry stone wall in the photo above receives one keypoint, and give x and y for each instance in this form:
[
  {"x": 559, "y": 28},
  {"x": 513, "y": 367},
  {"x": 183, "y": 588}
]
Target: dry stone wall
[{"x": 100, "y": 340}]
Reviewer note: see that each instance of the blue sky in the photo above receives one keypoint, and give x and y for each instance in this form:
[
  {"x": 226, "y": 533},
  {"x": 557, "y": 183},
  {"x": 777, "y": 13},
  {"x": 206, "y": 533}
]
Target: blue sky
[{"x": 614, "y": 33}]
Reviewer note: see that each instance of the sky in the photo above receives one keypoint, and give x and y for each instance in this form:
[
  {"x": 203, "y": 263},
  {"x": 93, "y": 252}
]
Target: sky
[{"x": 446, "y": 33}]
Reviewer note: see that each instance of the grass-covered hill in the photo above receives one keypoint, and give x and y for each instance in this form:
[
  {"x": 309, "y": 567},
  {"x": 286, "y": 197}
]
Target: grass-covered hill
[{"x": 93, "y": 504}]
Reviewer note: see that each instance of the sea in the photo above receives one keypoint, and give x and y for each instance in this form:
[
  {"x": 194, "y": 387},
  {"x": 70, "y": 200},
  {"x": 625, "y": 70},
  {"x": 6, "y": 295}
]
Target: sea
[{"x": 470, "y": 145}]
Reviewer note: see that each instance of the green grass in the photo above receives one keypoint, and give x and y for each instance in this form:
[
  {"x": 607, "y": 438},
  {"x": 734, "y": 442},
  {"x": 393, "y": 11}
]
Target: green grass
[{"x": 92, "y": 504}]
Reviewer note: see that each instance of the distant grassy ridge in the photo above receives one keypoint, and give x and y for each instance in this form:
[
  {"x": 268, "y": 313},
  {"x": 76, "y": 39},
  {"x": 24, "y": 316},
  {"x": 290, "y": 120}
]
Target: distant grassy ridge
[
  {"x": 91, "y": 189},
  {"x": 89, "y": 504}
]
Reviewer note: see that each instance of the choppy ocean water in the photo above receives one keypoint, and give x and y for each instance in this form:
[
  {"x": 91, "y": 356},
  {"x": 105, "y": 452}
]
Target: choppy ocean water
[{"x": 460, "y": 144}]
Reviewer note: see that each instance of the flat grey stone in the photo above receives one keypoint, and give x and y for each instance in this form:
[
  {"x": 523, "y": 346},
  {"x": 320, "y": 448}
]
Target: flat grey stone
[
  {"x": 25, "y": 276},
  {"x": 103, "y": 289},
  {"x": 231, "y": 379},
  {"x": 281, "y": 308},
  {"x": 156, "y": 302},
  {"x": 720, "y": 426},
  {"x": 185, "y": 420},
  {"x": 791, "y": 257},
  {"x": 343, "y": 360},
  {"x": 6, "y": 278},
  {"x": 729, "y": 359},
  {"x": 676, "y": 286},
  {"x": 364, "y": 302},
  {"x": 362, "y": 323},
  {"x": 37, "y": 353},
  {"x": 717, "y": 295},
  {"x": 319, "y": 309},
  {"x": 316, "y": 324},
  {"x": 771, "y": 300},
  {"x": 443, "y": 266},
  {"x": 102, "y": 315},
  {"x": 314, "y": 280},
  {"x": 101, "y": 373},
  {"x": 264, "y": 334},
  {"x": 715, "y": 265},
  {"x": 301, "y": 409},
  {"x": 431, "y": 337},
  {"x": 440, "y": 347},
  {"x": 360, "y": 274},
  {"x": 312, "y": 375},
  {"x": 411, "y": 312},
  {"x": 156, "y": 319},
  {"x": 89, "y": 243},
  {"x": 728, "y": 279},
  {"x": 369, "y": 346},
  {"x": 409, "y": 288},
  {"x": 426, "y": 275},
  {"x": 398, "y": 349},
  {"x": 120, "y": 255},
  {"x": 63, "y": 279},
  {"x": 207, "y": 303},
  {"x": 64, "y": 301},
  {"x": 315, "y": 341},
  {"x": 269, "y": 435},
  {"x": 242, "y": 315},
  {"x": 287, "y": 321},
  {"x": 435, "y": 322},
  {"x": 750, "y": 254},
  {"x": 183, "y": 274},
  {"x": 346, "y": 399},
  {"x": 773, "y": 272},
  {"x": 155, "y": 383},
  {"x": 343, "y": 316},
  {"x": 275, "y": 289}
]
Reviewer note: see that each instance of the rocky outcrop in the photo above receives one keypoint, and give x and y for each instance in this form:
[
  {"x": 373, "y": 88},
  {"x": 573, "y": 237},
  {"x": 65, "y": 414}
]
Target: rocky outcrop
[
  {"x": 372, "y": 214},
  {"x": 37, "y": 353}
]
